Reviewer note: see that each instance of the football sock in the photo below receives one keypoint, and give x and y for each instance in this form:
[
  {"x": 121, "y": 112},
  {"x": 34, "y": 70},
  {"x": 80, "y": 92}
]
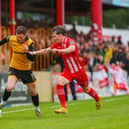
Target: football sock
[
  {"x": 72, "y": 86},
  {"x": 93, "y": 93},
  {"x": 66, "y": 94},
  {"x": 61, "y": 95},
  {"x": 6, "y": 95},
  {"x": 35, "y": 100}
]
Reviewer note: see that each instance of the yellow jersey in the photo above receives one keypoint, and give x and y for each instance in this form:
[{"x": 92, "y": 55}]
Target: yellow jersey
[
  {"x": 108, "y": 55},
  {"x": 19, "y": 58}
]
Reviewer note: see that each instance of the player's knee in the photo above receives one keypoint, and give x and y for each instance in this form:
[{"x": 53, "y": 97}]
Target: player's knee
[
  {"x": 59, "y": 81},
  {"x": 33, "y": 92},
  {"x": 86, "y": 89},
  {"x": 10, "y": 88},
  {"x": 62, "y": 81}
]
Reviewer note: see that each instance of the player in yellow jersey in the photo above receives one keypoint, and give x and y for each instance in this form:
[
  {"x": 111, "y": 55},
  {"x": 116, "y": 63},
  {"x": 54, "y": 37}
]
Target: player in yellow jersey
[{"x": 20, "y": 67}]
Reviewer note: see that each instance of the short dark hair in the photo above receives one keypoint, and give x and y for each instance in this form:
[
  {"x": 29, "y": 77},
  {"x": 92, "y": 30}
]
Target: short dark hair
[
  {"x": 21, "y": 30},
  {"x": 59, "y": 30}
]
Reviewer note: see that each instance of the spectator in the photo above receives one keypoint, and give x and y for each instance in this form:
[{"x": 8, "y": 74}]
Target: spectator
[
  {"x": 103, "y": 52},
  {"x": 127, "y": 67},
  {"x": 119, "y": 40}
]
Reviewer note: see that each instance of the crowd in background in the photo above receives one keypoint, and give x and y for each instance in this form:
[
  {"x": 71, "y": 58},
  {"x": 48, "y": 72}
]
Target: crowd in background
[
  {"x": 113, "y": 51},
  {"x": 95, "y": 56}
]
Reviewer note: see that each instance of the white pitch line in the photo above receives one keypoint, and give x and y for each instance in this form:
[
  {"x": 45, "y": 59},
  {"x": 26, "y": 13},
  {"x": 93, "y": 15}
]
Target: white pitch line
[
  {"x": 55, "y": 106},
  {"x": 27, "y": 109},
  {"x": 114, "y": 99},
  {"x": 19, "y": 110}
]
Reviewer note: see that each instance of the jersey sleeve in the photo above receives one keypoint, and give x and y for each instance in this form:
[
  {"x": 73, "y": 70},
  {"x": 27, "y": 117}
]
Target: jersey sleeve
[
  {"x": 71, "y": 42},
  {"x": 31, "y": 48},
  {"x": 29, "y": 56},
  {"x": 30, "y": 42},
  {"x": 11, "y": 38},
  {"x": 3, "y": 41},
  {"x": 54, "y": 46}
]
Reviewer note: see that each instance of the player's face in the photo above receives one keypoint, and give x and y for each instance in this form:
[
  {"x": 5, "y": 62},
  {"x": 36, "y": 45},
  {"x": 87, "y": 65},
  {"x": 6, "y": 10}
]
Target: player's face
[
  {"x": 21, "y": 38},
  {"x": 57, "y": 38}
]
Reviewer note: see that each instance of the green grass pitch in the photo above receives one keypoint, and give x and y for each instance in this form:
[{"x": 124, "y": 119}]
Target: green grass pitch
[{"x": 114, "y": 114}]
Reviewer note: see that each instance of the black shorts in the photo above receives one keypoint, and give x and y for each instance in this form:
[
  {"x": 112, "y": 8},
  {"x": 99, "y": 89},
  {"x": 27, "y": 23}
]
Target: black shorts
[{"x": 24, "y": 76}]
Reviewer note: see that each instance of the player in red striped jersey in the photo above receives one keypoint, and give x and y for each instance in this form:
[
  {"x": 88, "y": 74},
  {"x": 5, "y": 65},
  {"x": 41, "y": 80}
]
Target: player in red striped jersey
[{"x": 73, "y": 66}]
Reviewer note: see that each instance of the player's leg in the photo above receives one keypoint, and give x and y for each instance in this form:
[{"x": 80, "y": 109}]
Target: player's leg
[
  {"x": 10, "y": 86},
  {"x": 66, "y": 93},
  {"x": 61, "y": 81},
  {"x": 60, "y": 89},
  {"x": 35, "y": 97},
  {"x": 72, "y": 86},
  {"x": 29, "y": 79},
  {"x": 90, "y": 91},
  {"x": 84, "y": 84}
]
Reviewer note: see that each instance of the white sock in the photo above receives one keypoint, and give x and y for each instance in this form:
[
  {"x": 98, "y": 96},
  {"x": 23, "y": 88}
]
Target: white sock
[
  {"x": 37, "y": 108},
  {"x": 3, "y": 102}
]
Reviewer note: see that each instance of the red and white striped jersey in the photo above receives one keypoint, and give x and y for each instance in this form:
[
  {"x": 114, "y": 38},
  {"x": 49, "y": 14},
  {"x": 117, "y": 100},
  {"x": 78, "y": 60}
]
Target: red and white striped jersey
[{"x": 71, "y": 60}]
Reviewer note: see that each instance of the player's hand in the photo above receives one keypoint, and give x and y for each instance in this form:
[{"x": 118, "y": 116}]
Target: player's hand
[
  {"x": 31, "y": 52},
  {"x": 55, "y": 50},
  {"x": 25, "y": 47}
]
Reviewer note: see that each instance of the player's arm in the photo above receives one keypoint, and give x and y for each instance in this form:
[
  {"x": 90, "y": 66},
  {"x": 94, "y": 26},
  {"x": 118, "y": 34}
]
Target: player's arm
[
  {"x": 29, "y": 56},
  {"x": 4, "y": 40},
  {"x": 40, "y": 52},
  {"x": 70, "y": 49}
]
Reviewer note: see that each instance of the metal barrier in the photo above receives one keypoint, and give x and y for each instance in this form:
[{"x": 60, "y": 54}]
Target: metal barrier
[
  {"x": 41, "y": 39},
  {"x": 4, "y": 51}
]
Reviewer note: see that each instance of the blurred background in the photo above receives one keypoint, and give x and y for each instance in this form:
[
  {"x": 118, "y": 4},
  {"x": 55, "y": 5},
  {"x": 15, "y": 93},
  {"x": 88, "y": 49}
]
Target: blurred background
[
  {"x": 100, "y": 29},
  {"x": 80, "y": 17}
]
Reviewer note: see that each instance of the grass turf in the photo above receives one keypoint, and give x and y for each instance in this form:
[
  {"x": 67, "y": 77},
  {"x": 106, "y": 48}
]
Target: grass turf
[{"x": 114, "y": 114}]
